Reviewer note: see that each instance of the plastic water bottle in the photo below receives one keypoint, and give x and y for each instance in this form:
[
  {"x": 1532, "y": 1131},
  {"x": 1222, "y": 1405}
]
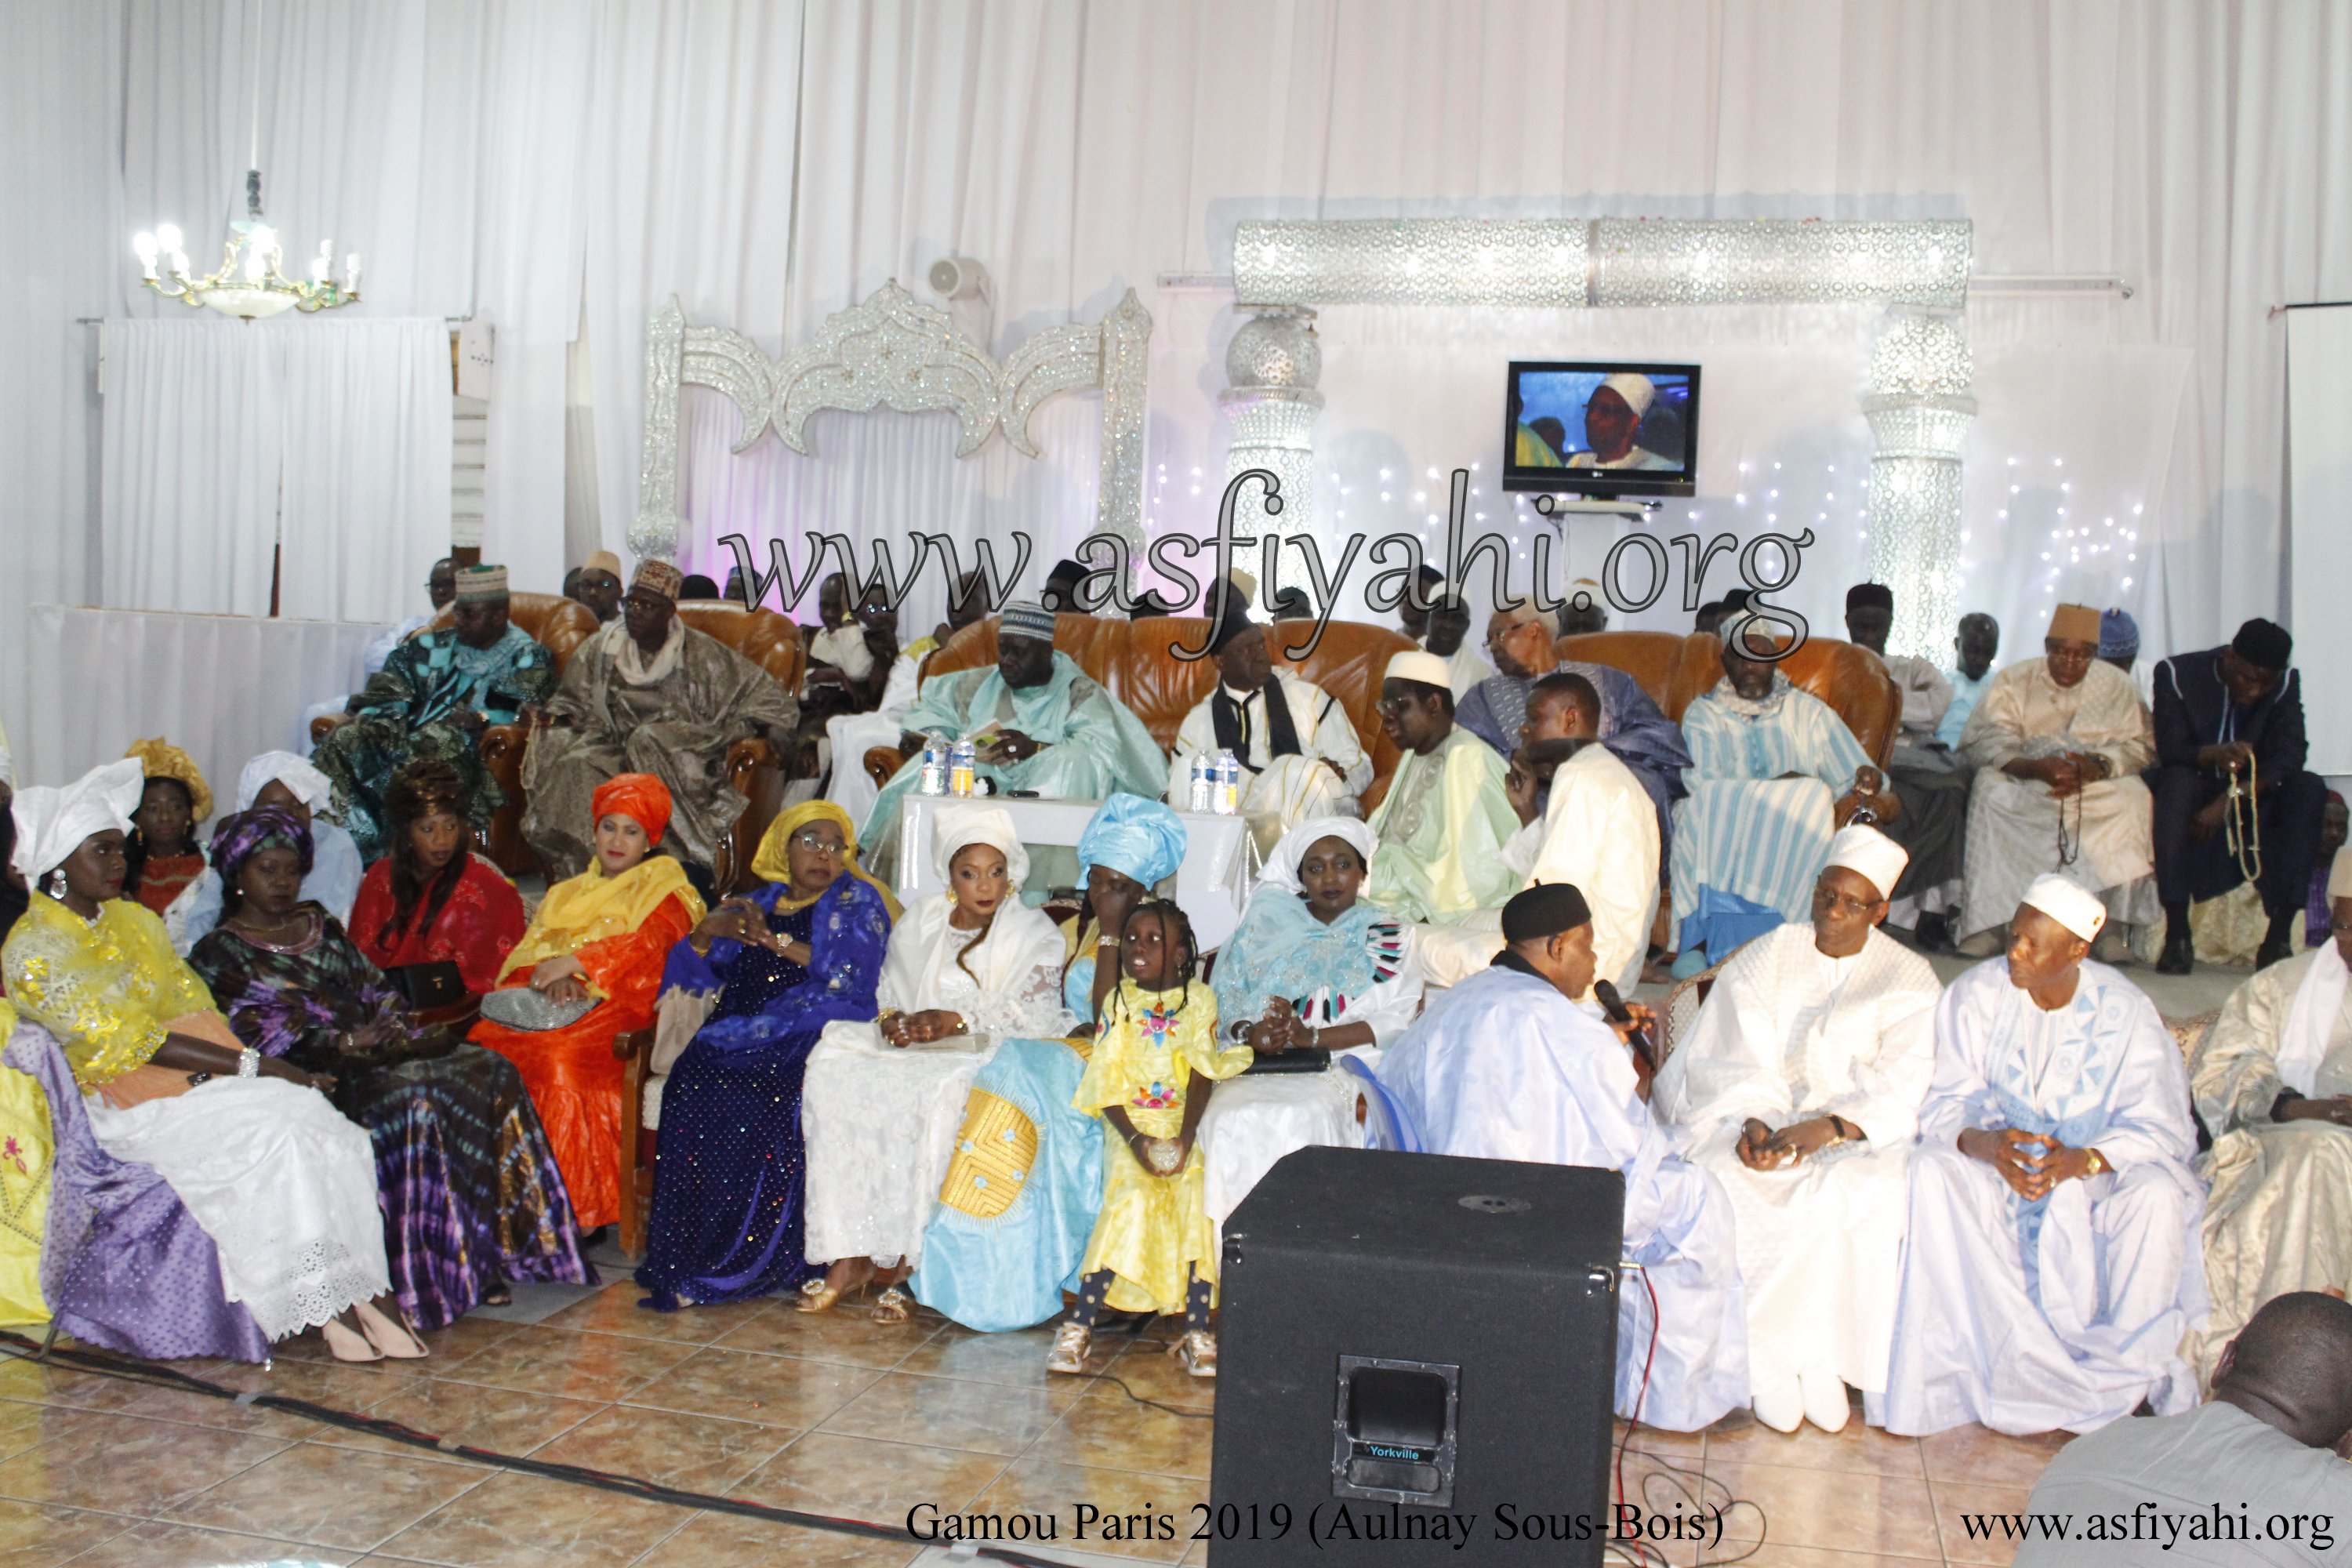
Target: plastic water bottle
[
  {"x": 963, "y": 768},
  {"x": 933, "y": 779},
  {"x": 1229, "y": 784},
  {"x": 1203, "y": 782}
]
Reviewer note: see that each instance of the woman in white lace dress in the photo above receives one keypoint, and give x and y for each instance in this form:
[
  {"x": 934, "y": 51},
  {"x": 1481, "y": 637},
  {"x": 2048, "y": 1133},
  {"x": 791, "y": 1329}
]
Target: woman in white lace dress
[{"x": 881, "y": 1101}]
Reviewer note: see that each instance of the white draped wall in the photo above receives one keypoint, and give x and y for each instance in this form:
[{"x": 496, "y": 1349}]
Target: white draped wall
[
  {"x": 224, "y": 439},
  {"x": 545, "y": 163}
]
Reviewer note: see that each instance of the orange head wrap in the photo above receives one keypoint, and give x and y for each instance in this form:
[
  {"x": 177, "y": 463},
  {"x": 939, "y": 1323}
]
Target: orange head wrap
[{"x": 638, "y": 797}]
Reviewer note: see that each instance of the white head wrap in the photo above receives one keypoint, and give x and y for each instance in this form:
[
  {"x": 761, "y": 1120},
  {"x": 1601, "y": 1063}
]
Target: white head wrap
[
  {"x": 2318, "y": 998},
  {"x": 960, "y": 826},
  {"x": 1281, "y": 868},
  {"x": 51, "y": 824},
  {"x": 309, "y": 785},
  {"x": 2069, "y": 903},
  {"x": 1870, "y": 854},
  {"x": 1638, "y": 391},
  {"x": 1416, "y": 664}
]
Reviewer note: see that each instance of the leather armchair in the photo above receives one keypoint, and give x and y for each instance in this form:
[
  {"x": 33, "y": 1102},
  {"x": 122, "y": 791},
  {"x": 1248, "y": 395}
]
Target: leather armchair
[
  {"x": 1674, "y": 669},
  {"x": 1134, "y": 662},
  {"x": 754, "y": 767}
]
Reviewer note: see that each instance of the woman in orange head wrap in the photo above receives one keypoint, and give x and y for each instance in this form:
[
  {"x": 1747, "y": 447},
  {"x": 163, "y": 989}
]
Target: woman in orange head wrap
[{"x": 586, "y": 971}]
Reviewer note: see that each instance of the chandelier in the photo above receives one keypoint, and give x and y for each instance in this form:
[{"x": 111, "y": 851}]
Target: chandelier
[{"x": 250, "y": 282}]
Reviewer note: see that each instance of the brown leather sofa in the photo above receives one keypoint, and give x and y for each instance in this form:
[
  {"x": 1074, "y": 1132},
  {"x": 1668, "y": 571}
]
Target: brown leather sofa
[
  {"x": 1134, "y": 661},
  {"x": 1675, "y": 667},
  {"x": 753, "y": 766}
]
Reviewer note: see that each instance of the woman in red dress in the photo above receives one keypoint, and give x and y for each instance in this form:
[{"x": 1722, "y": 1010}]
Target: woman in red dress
[
  {"x": 589, "y": 970},
  {"x": 431, "y": 901}
]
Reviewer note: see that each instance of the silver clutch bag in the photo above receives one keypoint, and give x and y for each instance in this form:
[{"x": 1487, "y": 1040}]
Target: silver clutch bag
[{"x": 522, "y": 1007}]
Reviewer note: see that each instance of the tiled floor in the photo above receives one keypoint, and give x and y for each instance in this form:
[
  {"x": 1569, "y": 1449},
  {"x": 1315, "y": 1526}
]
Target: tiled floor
[{"x": 830, "y": 1414}]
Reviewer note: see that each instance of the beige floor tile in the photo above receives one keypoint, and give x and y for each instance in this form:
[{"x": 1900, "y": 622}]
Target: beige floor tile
[
  {"x": 776, "y": 1391},
  {"x": 537, "y": 1360},
  {"x": 693, "y": 1453},
  {"x": 1154, "y": 1374},
  {"x": 869, "y": 1479},
  {"x": 614, "y": 1311},
  {"x": 121, "y": 1465},
  {"x": 33, "y": 1536},
  {"x": 1016, "y": 1360},
  {"x": 24, "y": 1427},
  {"x": 448, "y": 1346},
  {"x": 1109, "y": 1429},
  {"x": 155, "y": 1544},
  {"x": 335, "y": 1497},
  {"x": 1864, "y": 1449},
  {"x": 1658, "y": 1440},
  {"x": 1133, "y": 1512},
  {"x": 1835, "y": 1509},
  {"x": 1979, "y": 1456},
  {"x": 731, "y": 1541},
  {"x": 988, "y": 1418},
  {"x": 50, "y": 1385},
  {"x": 1953, "y": 1499},
  {"x": 333, "y": 1385},
  {"x": 848, "y": 1333},
  {"x": 503, "y": 1420},
  {"x": 528, "y": 1521}
]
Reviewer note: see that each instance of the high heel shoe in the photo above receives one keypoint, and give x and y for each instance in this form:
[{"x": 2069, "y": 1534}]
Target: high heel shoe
[
  {"x": 387, "y": 1336},
  {"x": 345, "y": 1345}
]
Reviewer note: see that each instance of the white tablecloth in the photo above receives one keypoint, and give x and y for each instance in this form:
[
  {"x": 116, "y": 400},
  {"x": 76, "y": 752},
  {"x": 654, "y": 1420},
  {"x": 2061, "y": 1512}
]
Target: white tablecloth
[
  {"x": 222, "y": 687},
  {"x": 1212, "y": 885}
]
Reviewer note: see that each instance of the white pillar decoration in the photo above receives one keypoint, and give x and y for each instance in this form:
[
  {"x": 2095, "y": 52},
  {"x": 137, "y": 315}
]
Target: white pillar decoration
[
  {"x": 1273, "y": 364},
  {"x": 1919, "y": 408}
]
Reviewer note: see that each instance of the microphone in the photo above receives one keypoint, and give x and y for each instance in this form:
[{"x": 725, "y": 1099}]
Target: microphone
[{"x": 1614, "y": 1006}]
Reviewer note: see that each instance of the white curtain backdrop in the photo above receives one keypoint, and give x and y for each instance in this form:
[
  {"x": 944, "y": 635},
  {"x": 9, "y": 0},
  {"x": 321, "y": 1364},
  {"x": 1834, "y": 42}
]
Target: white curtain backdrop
[
  {"x": 224, "y": 439},
  {"x": 542, "y": 162}
]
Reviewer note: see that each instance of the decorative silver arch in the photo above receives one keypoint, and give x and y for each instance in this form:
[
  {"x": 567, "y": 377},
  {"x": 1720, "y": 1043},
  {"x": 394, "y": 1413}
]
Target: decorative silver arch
[{"x": 895, "y": 352}]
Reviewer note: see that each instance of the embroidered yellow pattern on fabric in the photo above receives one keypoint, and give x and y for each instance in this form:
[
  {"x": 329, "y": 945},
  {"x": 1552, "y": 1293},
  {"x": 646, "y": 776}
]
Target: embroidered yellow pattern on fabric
[{"x": 994, "y": 1154}]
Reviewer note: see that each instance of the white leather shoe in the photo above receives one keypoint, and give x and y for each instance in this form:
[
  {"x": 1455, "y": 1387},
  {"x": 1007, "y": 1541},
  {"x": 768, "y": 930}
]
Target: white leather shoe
[
  {"x": 1781, "y": 1405},
  {"x": 1824, "y": 1399}
]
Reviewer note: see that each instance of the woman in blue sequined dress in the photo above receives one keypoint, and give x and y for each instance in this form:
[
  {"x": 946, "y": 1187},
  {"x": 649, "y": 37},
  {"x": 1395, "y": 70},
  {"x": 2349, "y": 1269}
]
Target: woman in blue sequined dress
[{"x": 752, "y": 989}]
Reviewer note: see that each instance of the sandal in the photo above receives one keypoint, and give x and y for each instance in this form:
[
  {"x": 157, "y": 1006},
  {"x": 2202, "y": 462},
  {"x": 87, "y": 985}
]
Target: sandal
[
  {"x": 498, "y": 1295},
  {"x": 893, "y": 1305},
  {"x": 1198, "y": 1350},
  {"x": 1069, "y": 1353},
  {"x": 816, "y": 1296},
  {"x": 391, "y": 1338}
]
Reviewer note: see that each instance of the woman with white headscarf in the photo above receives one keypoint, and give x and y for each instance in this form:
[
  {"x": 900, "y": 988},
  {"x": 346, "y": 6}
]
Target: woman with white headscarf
[
  {"x": 881, "y": 1101},
  {"x": 1311, "y": 966},
  {"x": 285, "y": 780},
  {"x": 282, "y": 1183}
]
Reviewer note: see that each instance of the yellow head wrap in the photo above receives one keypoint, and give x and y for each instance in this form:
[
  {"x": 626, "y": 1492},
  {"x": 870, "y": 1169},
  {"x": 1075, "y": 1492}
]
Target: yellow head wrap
[
  {"x": 164, "y": 759},
  {"x": 772, "y": 863}
]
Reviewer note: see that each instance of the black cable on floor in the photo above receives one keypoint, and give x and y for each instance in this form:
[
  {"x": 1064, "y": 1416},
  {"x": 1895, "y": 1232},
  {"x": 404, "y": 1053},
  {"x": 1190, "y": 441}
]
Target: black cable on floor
[{"x": 16, "y": 1347}]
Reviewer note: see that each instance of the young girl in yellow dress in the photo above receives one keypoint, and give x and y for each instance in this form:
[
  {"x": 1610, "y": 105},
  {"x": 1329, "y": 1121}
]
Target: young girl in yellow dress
[{"x": 1153, "y": 1247}]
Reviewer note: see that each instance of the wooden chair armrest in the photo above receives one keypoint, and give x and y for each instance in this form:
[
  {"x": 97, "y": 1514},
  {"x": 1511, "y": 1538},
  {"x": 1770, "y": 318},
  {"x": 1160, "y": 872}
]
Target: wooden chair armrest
[
  {"x": 634, "y": 1044},
  {"x": 503, "y": 745},
  {"x": 883, "y": 762},
  {"x": 748, "y": 756},
  {"x": 325, "y": 724}
]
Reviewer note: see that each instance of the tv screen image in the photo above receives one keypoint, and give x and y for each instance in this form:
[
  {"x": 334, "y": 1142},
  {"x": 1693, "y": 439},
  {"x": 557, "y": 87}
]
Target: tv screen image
[{"x": 1601, "y": 427}]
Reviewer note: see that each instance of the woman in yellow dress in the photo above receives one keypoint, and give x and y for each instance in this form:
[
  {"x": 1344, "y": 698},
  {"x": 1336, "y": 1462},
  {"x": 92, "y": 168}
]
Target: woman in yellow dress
[
  {"x": 25, "y": 1152},
  {"x": 1155, "y": 1059}
]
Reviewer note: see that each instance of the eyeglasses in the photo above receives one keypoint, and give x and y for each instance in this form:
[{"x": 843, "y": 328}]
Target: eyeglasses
[
  {"x": 1844, "y": 903},
  {"x": 817, "y": 843}
]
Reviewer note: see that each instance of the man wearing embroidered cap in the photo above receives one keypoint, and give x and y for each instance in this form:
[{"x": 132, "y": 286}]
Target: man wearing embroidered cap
[
  {"x": 648, "y": 694},
  {"x": 1299, "y": 754},
  {"x": 1518, "y": 1063},
  {"x": 1446, "y": 816},
  {"x": 2225, "y": 713},
  {"x": 1612, "y": 415},
  {"x": 1039, "y": 721},
  {"x": 2058, "y": 743},
  {"x": 1798, "y": 1086},
  {"x": 2052, "y": 1263},
  {"x": 432, "y": 698},
  {"x": 599, "y": 585},
  {"x": 2273, "y": 1078}
]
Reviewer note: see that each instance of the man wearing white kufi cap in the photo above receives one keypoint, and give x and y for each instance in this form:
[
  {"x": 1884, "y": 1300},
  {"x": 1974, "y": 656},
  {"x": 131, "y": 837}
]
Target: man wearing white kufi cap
[
  {"x": 1612, "y": 415},
  {"x": 1798, "y": 1086},
  {"x": 2052, "y": 1265},
  {"x": 2273, "y": 1078},
  {"x": 1444, "y": 821}
]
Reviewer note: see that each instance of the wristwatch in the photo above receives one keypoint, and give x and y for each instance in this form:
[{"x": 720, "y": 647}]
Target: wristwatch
[{"x": 2098, "y": 1165}]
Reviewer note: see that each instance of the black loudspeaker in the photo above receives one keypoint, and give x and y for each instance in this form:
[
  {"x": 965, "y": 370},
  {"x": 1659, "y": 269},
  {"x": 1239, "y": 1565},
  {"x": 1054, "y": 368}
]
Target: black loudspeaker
[{"x": 1413, "y": 1350}]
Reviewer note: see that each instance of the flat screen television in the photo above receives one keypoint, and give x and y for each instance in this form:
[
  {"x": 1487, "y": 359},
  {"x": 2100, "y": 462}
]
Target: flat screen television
[{"x": 1601, "y": 427}]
